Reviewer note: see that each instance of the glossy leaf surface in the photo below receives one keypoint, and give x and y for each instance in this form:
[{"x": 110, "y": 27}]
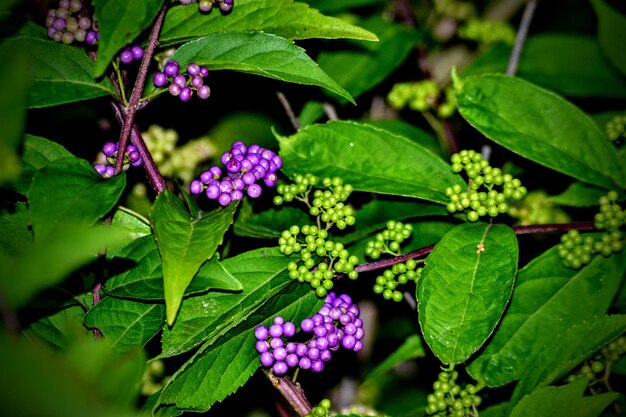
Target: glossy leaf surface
[
  {"x": 369, "y": 158},
  {"x": 464, "y": 288},
  {"x": 611, "y": 32},
  {"x": 541, "y": 126},
  {"x": 184, "y": 243}
]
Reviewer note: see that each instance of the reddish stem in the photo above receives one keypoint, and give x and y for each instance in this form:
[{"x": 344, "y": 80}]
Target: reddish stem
[{"x": 292, "y": 392}]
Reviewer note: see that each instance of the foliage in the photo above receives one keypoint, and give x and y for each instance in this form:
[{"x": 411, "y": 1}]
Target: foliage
[{"x": 391, "y": 138}]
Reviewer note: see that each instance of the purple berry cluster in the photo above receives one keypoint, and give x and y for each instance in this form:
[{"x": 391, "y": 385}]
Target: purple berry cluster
[
  {"x": 109, "y": 150},
  {"x": 182, "y": 85},
  {"x": 336, "y": 325},
  {"x": 131, "y": 53},
  {"x": 70, "y": 22},
  {"x": 206, "y": 6},
  {"x": 245, "y": 166}
]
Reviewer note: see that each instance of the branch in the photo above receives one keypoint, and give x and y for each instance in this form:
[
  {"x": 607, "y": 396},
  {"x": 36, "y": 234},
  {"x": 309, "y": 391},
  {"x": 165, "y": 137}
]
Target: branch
[
  {"x": 527, "y": 17},
  {"x": 135, "y": 96},
  {"x": 152, "y": 171},
  {"x": 292, "y": 392},
  {"x": 518, "y": 230},
  {"x": 292, "y": 116}
]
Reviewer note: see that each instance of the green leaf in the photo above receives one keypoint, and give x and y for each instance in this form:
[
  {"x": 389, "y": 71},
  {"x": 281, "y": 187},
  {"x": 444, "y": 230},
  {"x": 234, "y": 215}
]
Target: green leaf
[
  {"x": 410, "y": 131},
  {"x": 144, "y": 280},
  {"x": 541, "y": 126},
  {"x": 567, "y": 63},
  {"x": 579, "y": 194},
  {"x": 119, "y": 23},
  {"x": 611, "y": 32},
  {"x": 464, "y": 288},
  {"x": 363, "y": 65},
  {"x": 567, "y": 348},
  {"x": 15, "y": 235},
  {"x": 221, "y": 367},
  {"x": 344, "y": 149},
  {"x": 262, "y": 274},
  {"x": 269, "y": 224},
  {"x": 126, "y": 324},
  {"x": 60, "y": 73},
  {"x": 567, "y": 400},
  {"x": 55, "y": 328},
  {"x": 52, "y": 259},
  {"x": 331, "y": 6},
  {"x": 285, "y": 18},
  {"x": 547, "y": 299},
  {"x": 37, "y": 152},
  {"x": 411, "y": 348},
  {"x": 70, "y": 193},
  {"x": 260, "y": 54},
  {"x": 58, "y": 384},
  {"x": 136, "y": 226},
  {"x": 14, "y": 84},
  {"x": 185, "y": 243}
]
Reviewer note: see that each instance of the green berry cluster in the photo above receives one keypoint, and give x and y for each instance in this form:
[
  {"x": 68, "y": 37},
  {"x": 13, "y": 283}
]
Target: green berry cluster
[
  {"x": 423, "y": 96},
  {"x": 481, "y": 197},
  {"x": 328, "y": 204},
  {"x": 389, "y": 240},
  {"x": 320, "y": 410},
  {"x": 596, "y": 369},
  {"x": 399, "y": 274},
  {"x": 457, "y": 10},
  {"x": 577, "y": 250},
  {"x": 537, "y": 208},
  {"x": 487, "y": 32},
  {"x": 449, "y": 400},
  {"x": 316, "y": 245},
  {"x": 616, "y": 127},
  {"x": 177, "y": 161}
]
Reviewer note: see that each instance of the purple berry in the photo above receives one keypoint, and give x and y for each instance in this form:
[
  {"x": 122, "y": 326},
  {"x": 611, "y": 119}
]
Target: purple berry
[
  {"x": 236, "y": 195},
  {"x": 322, "y": 343},
  {"x": 84, "y": 23},
  {"x": 314, "y": 353},
  {"x": 307, "y": 325},
  {"x": 359, "y": 333},
  {"x": 204, "y": 92},
  {"x": 109, "y": 171},
  {"x": 289, "y": 329},
  {"x": 193, "y": 69},
  {"x": 357, "y": 346},
  {"x": 133, "y": 156},
  {"x": 216, "y": 171},
  {"x": 226, "y": 185},
  {"x": 137, "y": 52},
  {"x": 267, "y": 359},
  {"x": 262, "y": 346},
  {"x": 248, "y": 178},
  {"x": 58, "y": 24},
  {"x": 348, "y": 342},
  {"x": 238, "y": 184},
  {"x": 292, "y": 360},
  {"x": 317, "y": 366},
  {"x": 196, "y": 187},
  {"x": 197, "y": 82},
  {"x": 261, "y": 333},
  {"x": 174, "y": 89},
  {"x": 100, "y": 169},
  {"x": 276, "y": 342},
  {"x": 290, "y": 347},
  {"x": 204, "y": 71},
  {"x": 224, "y": 199},
  {"x": 185, "y": 94},
  {"x": 325, "y": 355},
  {"x": 180, "y": 80},
  {"x": 320, "y": 331},
  {"x": 302, "y": 349},
  {"x": 126, "y": 56},
  {"x": 109, "y": 148},
  {"x": 159, "y": 79},
  {"x": 91, "y": 38},
  {"x": 233, "y": 165},
  {"x": 213, "y": 192},
  {"x": 280, "y": 368},
  {"x": 205, "y": 6},
  {"x": 254, "y": 190},
  {"x": 276, "y": 330},
  {"x": 171, "y": 68},
  {"x": 270, "y": 179},
  {"x": 304, "y": 363},
  {"x": 280, "y": 354}
]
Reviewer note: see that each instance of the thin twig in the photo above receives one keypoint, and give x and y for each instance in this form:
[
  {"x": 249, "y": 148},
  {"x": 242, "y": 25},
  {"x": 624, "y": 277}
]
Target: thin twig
[
  {"x": 527, "y": 17},
  {"x": 518, "y": 230},
  {"x": 152, "y": 171},
  {"x": 292, "y": 392},
  {"x": 135, "y": 97},
  {"x": 330, "y": 111},
  {"x": 292, "y": 116}
]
